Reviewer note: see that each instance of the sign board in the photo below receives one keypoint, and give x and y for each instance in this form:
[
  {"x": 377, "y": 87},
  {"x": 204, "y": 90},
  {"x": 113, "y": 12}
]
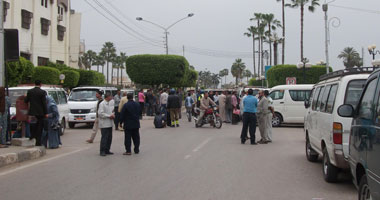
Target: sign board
[
  {"x": 62, "y": 77},
  {"x": 266, "y": 71},
  {"x": 291, "y": 80}
]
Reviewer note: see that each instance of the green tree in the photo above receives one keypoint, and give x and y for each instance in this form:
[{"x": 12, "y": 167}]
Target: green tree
[
  {"x": 99, "y": 61},
  {"x": 237, "y": 70},
  {"x": 252, "y": 32},
  {"x": 283, "y": 30},
  {"x": 108, "y": 52},
  {"x": 272, "y": 24},
  {"x": 47, "y": 75},
  {"x": 71, "y": 78},
  {"x": 247, "y": 74},
  {"x": 223, "y": 73},
  {"x": 276, "y": 40},
  {"x": 351, "y": 58},
  {"x": 19, "y": 72},
  {"x": 123, "y": 58},
  {"x": 88, "y": 58},
  {"x": 259, "y": 32},
  {"x": 311, "y": 4}
]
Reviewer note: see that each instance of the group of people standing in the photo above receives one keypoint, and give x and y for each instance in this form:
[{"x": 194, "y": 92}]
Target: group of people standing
[{"x": 114, "y": 112}]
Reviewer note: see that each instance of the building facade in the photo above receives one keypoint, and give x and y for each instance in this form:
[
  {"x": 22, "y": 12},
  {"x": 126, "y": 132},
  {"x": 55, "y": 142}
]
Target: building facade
[{"x": 48, "y": 30}]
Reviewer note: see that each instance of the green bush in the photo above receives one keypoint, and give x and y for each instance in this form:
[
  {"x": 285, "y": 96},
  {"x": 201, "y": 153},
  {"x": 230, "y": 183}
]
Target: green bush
[
  {"x": 71, "y": 78},
  {"x": 92, "y": 78},
  {"x": 277, "y": 74},
  {"x": 19, "y": 72},
  {"x": 47, "y": 75},
  {"x": 254, "y": 82},
  {"x": 155, "y": 70},
  {"x": 60, "y": 67}
]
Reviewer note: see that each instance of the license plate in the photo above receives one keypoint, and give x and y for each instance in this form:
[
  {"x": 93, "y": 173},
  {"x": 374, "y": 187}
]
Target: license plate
[{"x": 79, "y": 118}]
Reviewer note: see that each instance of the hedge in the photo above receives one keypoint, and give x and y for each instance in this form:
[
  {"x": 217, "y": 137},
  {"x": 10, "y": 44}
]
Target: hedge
[
  {"x": 71, "y": 78},
  {"x": 254, "y": 82},
  {"x": 277, "y": 74},
  {"x": 19, "y": 72},
  {"x": 47, "y": 75},
  {"x": 155, "y": 70},
  {"x": 90, "y": 78}
]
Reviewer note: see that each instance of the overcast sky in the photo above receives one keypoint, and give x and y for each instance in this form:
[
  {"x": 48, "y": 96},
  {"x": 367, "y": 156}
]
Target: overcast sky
[{"x": 213, "y": 38}]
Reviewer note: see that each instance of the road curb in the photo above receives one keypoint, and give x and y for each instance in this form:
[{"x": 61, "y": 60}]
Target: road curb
[{"x": 24, "y": 155}]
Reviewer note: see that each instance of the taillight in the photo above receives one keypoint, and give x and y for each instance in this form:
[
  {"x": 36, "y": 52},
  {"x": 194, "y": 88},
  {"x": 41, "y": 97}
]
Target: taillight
[{"x": 337, "y": 133}]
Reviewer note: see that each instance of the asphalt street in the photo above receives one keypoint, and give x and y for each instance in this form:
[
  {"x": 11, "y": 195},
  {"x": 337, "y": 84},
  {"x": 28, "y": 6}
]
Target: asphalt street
[{"x": 185, "y": 163}]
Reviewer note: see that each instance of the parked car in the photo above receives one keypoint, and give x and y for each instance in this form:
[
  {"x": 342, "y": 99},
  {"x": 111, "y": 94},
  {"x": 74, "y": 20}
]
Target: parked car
[
  {"x": 83, "y": 102},
  {"x": 288, "y": 102},
  {"x": 364, "y": 145},
  {"x": 129, "y": 91},
  {"x": 58, "y": 94},
  {"x": 327, "y": 134}
]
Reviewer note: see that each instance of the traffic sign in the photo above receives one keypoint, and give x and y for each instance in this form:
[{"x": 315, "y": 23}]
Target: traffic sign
[{"x": 291, "y": 80}]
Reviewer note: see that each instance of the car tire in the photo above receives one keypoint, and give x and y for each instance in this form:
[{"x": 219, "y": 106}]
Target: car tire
[
  {"x": 311, "y": 155},
  {"x": 71, "y": 124},
  {"x": 276, "y": 120},
  {"x": 330, "y": 172},
  {"x": 364, "y": 191}
]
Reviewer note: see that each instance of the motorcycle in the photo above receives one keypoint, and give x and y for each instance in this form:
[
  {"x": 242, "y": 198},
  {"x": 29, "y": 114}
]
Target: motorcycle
[{"x": 211, "y": 117}]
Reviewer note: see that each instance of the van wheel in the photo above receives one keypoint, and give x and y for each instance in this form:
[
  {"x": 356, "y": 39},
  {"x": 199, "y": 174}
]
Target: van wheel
[
  {"x": 63, "y": 127},
  {"x": 330, "y": 172},
  {"x": 311, "y": 155},
  {"x": 276, "y": 120},
  {"x": 364, "y": 191},
  {"x": 71, "y": 124}
]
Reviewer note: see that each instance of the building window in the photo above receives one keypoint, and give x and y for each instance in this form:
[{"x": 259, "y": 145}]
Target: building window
[
  {"x": 43, "y": 61},
  {"x": 5, "y": 10},
  {"x": 60, "y": 62},
  {"x": 60, "y": 10},
  {"x": 61, "y": 32},
  {"x": 44, "y": 3},
  {"x": 45, "y": 23},
  {"x": 25, "y": 55},
  {"x": 26, "y": 19}
]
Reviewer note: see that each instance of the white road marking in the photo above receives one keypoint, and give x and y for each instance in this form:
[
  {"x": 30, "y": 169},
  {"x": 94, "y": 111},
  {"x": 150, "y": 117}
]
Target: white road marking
[
  {"x": 41, "y": 161},
  {"x": 187, "y": 157},
  {"x": 200, "y": 146}
]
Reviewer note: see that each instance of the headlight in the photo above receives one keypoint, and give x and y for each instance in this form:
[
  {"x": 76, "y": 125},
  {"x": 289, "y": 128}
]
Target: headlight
[{"x": 93, "y": 110}]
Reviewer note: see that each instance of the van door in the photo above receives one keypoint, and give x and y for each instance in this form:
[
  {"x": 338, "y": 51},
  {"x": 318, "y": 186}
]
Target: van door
[
  {"x": 294, "y": 102},
  {"x": 63, "y": 107},
  {"x": 278, "y": 101},
  {"x": 373, "y": 152},
  {"x": 363, "y": 129}
]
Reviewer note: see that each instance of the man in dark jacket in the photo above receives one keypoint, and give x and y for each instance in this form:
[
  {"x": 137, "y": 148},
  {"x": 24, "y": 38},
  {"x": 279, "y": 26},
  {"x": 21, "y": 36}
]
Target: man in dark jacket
[
  {"x": 130, "y": 116},
  {"x": 38, "y": 109},
  {"x": 174, "y": 108}
]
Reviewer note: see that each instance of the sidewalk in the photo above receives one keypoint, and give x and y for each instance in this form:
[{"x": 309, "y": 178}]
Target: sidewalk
[{"x": 17, "y": 154}]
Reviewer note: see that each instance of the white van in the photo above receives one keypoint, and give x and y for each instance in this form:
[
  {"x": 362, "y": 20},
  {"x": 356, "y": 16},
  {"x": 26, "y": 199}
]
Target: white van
[
  {"x": 83, "y": 102},
  {"x": 327, "y": 134},
  {"x": 58, "y": 94},
  {"x": 256, "y": 91},
  {"x": 288, "y": 103}
]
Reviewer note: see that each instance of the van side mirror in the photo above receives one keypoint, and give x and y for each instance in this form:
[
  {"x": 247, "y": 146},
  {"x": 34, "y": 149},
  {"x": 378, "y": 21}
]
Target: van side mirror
[
  {"x": 307, "y": 103},
  {"x": 346, "y": 110}
]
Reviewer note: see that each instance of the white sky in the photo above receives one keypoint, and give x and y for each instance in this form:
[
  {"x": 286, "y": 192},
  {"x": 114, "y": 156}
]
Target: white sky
[{"x": 219, "y": 25}]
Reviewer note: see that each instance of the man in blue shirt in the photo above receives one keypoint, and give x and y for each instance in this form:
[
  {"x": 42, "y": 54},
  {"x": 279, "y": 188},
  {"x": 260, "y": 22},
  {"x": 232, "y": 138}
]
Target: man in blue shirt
[{"x": 249, "y": 118}]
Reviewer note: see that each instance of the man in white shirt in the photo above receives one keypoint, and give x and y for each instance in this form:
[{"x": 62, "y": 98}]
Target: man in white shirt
[
  {"x": 106, "y": 117},
  {"x": 163, "y": 101}
]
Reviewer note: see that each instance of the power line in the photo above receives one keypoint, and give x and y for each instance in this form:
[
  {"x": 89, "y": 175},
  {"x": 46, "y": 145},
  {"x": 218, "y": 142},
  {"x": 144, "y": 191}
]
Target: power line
[{"x": 357, "y": 9}]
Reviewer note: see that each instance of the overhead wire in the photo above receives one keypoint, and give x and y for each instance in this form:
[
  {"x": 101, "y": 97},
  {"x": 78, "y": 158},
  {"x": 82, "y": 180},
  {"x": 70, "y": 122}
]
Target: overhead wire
[{"x": 356, "y": 9}]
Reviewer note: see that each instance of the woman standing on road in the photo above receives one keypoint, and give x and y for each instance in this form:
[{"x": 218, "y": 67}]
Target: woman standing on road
[{"x": 51, "y": 129}]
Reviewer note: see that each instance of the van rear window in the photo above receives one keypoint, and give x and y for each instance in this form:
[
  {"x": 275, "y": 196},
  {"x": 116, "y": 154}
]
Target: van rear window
[
  {"x": 83, "y": 95},
  {"x": 354, "y": 90}
]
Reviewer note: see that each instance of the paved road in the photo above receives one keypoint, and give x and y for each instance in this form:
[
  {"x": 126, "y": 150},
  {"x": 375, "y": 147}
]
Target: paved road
[{"x": 175, "y": 163}]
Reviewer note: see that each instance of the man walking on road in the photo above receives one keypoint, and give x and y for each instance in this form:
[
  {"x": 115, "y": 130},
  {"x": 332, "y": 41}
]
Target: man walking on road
[
  {"x": 222, "y": 106},
  {"x": 117, "y": 99},
  {"x": 271, "y": 113},
  {"x": 95, "y": 127},
  {"x": 163, "y": 101},
  {"x": 130, "y": 116},
  {"x": 229, "y": 108},
  {"x": 249, "y": 118},
  {"x": 205, "y": 103},
  {"x": 262, "y": 115},
  {"x": 174, "y": 108},
  {"x": 38, "y": 109},
  {"x": 105, "y": 124}
]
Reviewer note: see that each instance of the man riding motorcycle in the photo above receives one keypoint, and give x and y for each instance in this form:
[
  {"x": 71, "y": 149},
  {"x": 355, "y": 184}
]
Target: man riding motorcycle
[{"x": 204, "y": 104}]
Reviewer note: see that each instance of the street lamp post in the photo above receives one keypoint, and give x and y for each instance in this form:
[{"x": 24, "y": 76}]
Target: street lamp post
[
  {"x": 336, "y": 23},
  {"x": 166, "y": 29},
  {"x": 304, "y": 64},
  {"x": 372, "y": 51}
]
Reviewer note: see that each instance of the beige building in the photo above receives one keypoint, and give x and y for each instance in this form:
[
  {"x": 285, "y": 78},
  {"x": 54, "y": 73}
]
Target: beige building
[
  {"x": 125, "y": 81},
  {"x": 48, "y": 30}
]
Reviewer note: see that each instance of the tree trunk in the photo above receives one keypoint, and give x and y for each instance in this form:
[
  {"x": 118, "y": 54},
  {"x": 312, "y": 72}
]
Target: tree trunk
[
  {"x": 259, "y": 57},
  {"x": 270, "y": 44},
  {"x": 112, "y": 74},
  {"x": 302, "y": 15},
  {"x": 107, "y": 72},
  {"x": 283, "y": 32},
  {"x": 118, "y": 69},
  {"x": 121, "y": 77},
  {"x": 262, "y": 57},
  {"x": 254, "y": 55},
  {"x": 275, "y": 53}
]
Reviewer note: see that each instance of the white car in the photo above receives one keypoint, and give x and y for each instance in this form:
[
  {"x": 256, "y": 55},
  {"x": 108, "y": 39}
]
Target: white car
[
  {"x": 288, "y": 103},
  {"x": 327, "y": 134},
  {"x": 58, "y": 94},
  {"x": 83, "y": 103}
]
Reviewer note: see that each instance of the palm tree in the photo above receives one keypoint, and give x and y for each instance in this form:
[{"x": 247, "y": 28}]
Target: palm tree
[
  {"x": 123, "y": 59},
  {"x": 276, "y": 40},
  {"x": 351, "y": 58},
  {"x": 116, "y": 64},
  {"x": 237, "y": 69},
  {"x": 283, "y": 30},
  {"x": 88, "y": 58},
  {"x": 259, "y": 18},
  {"x": 223, "y": 73},
  {"x": 252, "y": 32},
  {"x": 312, "y": 4},
  {"x": 108, "y": 53},
  {"x": 272, "y": 24},
  {"x": 99, "y": 61},
  {"x": 215, "y": 79},
  {"x": 247, "y": 74}
]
